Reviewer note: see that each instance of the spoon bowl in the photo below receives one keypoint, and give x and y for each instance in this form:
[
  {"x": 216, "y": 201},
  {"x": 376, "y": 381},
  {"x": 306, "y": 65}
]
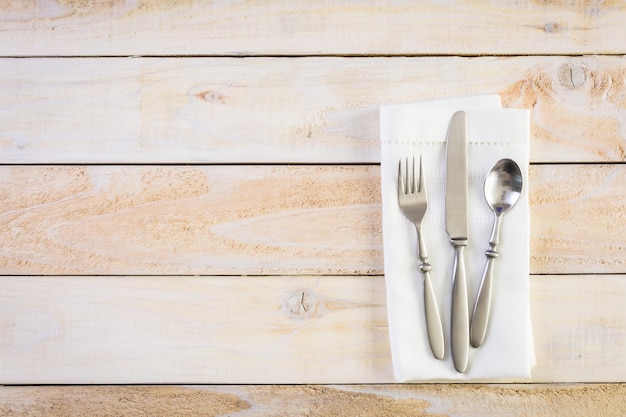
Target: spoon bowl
[{"x": 503, "y": 187}]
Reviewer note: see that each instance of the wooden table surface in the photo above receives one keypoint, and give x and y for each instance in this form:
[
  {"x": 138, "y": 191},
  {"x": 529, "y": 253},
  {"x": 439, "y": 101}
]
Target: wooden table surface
[{"x": 190, "y": 202}]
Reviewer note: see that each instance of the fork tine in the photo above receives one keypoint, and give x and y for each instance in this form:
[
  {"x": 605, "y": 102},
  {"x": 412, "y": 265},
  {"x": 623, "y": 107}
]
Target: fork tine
[
  {"x": 408, "y": 177},
  {"x": 411, "y": 176},
  {"x": 401, "y": 185},
  {"x": 404, "y": 176},
  {"x": 421, "y": 178}
]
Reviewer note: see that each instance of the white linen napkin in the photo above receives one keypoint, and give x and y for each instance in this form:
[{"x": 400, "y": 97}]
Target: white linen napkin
[{"x": 493, "y": 133}]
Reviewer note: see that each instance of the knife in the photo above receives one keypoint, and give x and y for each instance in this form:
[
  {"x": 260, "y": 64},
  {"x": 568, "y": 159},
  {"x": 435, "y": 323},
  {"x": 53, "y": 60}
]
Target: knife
[{"x": 456, "y": 226}]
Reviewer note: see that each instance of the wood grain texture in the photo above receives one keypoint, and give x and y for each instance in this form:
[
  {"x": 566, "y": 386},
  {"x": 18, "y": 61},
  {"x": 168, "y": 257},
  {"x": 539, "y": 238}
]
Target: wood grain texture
[
  {"x": 288, "y": 329},
  {"x": 267, "y": 220},
  {"x": 190, "y": 220},
  {"x": 289, "y": 110},
  {"x": 575, "y": 227},
  {"x": 156, "y": 220},
  {"x": 601, "y": 400},
  {"x": 307, "y": 27},
  {"x": 83, "y": 330}
]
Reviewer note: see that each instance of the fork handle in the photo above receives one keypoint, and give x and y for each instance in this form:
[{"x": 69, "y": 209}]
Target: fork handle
[
  {"x": 433, "y": 318},
  {"x": 434, "y": 326},
  {"x": 460, "y": 310}
]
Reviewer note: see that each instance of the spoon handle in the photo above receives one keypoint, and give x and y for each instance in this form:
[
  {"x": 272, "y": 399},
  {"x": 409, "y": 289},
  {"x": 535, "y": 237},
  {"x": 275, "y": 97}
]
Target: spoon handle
[{"x": 482, "y": 308}]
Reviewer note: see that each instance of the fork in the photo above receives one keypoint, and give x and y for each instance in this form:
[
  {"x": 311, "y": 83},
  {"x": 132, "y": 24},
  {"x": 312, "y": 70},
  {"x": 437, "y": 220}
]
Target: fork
[{"x": 413, "y": 202}]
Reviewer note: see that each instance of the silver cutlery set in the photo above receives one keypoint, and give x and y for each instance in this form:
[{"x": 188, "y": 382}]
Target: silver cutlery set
[{"x": 503, "y": 187}]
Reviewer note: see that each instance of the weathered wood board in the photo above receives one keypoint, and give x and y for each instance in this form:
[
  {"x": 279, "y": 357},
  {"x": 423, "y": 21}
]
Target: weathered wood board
[
  {"x": 229, "y": 110},
  {"x": 267, "y": 219},
  {"x": 285, "y": 329},
  {"x": 309, "y": 27},
  {"x": 585, "y": 400}
]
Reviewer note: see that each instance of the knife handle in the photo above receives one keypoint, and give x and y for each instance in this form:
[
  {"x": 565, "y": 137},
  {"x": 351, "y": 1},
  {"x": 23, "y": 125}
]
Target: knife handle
[{"x": 460, "y": 309}]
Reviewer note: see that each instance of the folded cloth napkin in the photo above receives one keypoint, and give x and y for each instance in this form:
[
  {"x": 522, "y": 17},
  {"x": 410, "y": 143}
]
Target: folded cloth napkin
[{"x": 493, "y": 133}]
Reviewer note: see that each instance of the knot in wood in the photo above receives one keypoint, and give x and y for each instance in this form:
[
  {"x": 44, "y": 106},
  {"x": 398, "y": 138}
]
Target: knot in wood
[
  {"x": 211, "y": 96},
  {"x": 572, "y": 76},
  {"x": 301, "y": 304},
  {"x": 552, "y": 27}
]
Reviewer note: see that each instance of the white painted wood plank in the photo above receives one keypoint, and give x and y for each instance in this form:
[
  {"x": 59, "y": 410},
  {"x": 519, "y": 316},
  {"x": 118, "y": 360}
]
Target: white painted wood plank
[
  {"x": 195, "y": 110},
  {"x": 389, "y": 400},
  {"x": 308, "y": 27},
  {"x": 190, "y": 220},
  {"x": 267, "y": 220},
  {"x": 575, "y": 226},
  {"x": 209, "y": 330},
  {"x": 563, "y": 309},
  {"x": 285, "y": 329}
]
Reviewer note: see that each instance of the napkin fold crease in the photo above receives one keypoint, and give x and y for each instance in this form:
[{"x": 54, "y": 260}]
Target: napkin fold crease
[{"x": 493, "y": 133}]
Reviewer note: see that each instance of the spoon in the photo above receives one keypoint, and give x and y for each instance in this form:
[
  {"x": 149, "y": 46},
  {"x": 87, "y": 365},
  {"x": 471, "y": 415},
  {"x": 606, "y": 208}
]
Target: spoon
[{"x": 503, "y": 187}]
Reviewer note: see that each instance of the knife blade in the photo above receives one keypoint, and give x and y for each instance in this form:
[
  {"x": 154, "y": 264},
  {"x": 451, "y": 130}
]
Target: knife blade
[{"x": 457, "y": 228}]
